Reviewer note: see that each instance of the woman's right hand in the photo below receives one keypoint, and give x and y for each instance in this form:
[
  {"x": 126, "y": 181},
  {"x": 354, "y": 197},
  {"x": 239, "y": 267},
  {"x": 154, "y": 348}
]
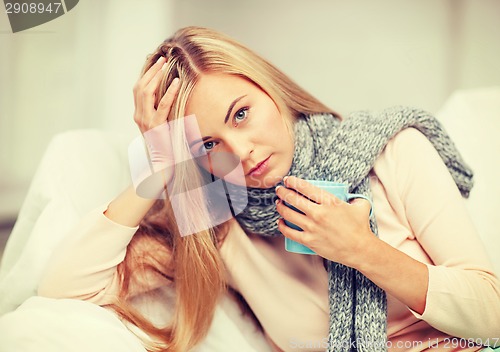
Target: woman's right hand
[
  {"x": 152, "y": 121},
  {"x": 130, "y": 207}
]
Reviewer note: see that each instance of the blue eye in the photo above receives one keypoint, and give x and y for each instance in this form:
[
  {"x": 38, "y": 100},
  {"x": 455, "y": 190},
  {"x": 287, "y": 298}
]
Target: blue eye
[
  {"x": 207, "y": 146},
  {"x": 241, "y": 115}
]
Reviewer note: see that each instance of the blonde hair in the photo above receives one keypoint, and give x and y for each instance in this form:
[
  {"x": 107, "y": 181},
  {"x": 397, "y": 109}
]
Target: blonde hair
[{"x": 193, "y": 263}]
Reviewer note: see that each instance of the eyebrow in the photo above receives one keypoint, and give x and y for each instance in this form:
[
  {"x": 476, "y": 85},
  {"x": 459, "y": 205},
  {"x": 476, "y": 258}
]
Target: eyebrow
[{"x": 231, "y": 106}]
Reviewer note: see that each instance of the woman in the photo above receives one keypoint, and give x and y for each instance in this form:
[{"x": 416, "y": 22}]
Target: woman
[{"x": 424, "y": 280}]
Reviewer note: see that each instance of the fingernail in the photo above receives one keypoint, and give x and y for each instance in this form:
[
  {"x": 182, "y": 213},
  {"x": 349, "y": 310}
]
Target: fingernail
[
  {"x": 160, "y": 58},
  {"x": 285, "y": 178},
  {"x": 276, "y": 201},
  {"x": 175, "y": 81},
  {"x": 276, "y": 189},
  {"x": 164, "y": 66}
]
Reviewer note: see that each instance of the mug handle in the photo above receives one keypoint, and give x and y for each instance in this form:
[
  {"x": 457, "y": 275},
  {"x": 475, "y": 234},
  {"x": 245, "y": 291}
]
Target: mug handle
[{"x": 354, "y": 195}]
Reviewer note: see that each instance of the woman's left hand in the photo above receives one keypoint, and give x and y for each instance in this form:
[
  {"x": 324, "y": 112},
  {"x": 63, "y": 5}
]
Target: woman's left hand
[{"x": 334, "y": 229}]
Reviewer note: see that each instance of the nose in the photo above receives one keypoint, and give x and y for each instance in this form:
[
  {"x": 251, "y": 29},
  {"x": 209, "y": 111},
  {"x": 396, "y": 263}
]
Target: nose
[{"x": 240, "y": 146}]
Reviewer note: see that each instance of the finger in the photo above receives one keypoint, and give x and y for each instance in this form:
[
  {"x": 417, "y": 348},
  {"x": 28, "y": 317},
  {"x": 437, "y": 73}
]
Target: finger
[
  {"x": 149, "y": 98},
  {"x": 166, "y": 102},
  {"x": 146, "y": 78},
  {"x": 296, "y": 199},
  {"x": 292, "y": 215},
  {"x": 287, "y": 231},
  {"x": 140, "y": 86},
  {"x": 362, "y": 204},
  {"x": 151, "y": 72}
]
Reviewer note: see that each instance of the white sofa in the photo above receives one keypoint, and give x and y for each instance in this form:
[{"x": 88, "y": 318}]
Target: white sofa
[{"x": 82, "y": 169}]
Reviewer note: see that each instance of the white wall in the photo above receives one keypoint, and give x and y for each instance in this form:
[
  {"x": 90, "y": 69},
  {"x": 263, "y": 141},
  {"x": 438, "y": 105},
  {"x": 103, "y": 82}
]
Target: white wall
[
  {"x": 350, "y": 54},
  {"x": 362, "y": 53},
  {"x": 74, "y": 72},
  {"x": 478, "y": 44}
]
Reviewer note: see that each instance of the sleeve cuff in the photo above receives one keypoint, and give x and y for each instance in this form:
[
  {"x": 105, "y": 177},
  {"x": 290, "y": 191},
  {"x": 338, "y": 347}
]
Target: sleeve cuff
[
  {"x": 430, "y": 269},
  {"x": 102, "y": 208}
]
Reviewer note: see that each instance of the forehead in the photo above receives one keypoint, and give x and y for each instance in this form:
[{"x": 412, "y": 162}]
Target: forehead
[{"x": 214, "y": 92}]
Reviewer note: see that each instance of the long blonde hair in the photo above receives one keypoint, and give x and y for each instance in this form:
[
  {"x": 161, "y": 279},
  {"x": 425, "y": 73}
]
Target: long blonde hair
[{"x": 193, "y": 263}]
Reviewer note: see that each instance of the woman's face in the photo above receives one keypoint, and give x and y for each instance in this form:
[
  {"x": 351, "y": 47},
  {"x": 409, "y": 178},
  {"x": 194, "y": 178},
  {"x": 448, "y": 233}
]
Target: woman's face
[{"x": 236, "y": 118}]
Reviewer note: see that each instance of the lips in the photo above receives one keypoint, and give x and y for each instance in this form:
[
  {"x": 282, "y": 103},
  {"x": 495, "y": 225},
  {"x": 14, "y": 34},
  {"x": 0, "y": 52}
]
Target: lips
[{"x": 256, "y": 167}]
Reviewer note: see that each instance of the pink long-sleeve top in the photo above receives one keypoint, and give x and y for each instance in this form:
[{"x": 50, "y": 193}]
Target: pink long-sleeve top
[{"x": 419, "y": 211}]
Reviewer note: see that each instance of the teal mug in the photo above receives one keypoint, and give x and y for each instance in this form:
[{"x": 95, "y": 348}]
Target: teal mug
[{"x": 339, "y": 190}]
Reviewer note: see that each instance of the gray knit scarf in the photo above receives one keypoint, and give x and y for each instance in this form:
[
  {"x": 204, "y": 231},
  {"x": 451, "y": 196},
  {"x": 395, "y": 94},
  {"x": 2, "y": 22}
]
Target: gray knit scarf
[{"x": 345, "y": 151}]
